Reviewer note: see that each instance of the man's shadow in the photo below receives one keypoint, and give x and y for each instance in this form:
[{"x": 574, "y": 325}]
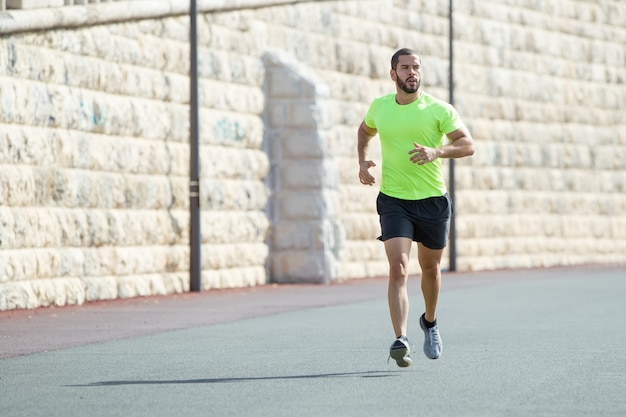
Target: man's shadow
[{"x": 368, "y": 374}]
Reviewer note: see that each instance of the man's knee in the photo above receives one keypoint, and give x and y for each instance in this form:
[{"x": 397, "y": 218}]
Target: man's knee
[
  {"x": 430, "y": 261},
  {"x": 398, "y": 271},
  {"x": 431, "y": 271}
]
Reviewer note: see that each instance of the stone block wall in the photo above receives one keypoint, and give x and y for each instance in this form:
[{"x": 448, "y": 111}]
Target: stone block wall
[
  {"x": 94, "y": 128},
  {"x": 543, "y": 88},
  {"x": 95, "y": 164}
]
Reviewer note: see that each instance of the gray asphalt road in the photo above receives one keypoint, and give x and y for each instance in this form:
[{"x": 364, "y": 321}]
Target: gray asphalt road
[{"x": 516, "y": 343}]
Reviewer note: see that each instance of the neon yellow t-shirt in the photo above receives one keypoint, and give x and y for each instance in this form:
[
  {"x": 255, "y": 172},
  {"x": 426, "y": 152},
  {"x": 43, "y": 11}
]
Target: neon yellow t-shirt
[{"x": 426, "y": 121}]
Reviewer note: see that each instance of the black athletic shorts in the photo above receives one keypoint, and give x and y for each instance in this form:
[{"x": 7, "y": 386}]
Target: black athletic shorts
[{"x": 426, "y": 221}]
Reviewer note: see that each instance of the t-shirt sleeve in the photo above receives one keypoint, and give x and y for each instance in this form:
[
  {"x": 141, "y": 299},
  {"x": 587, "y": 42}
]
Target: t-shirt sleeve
[
  {"x": 370, "y": 116},
  {"x": 450, "y": 120}
]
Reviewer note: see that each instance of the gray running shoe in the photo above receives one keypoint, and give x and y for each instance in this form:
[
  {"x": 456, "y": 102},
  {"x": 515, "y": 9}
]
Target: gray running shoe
[
  {"x": 399, "y": 351},
  {"x": 432, "y": 341}
]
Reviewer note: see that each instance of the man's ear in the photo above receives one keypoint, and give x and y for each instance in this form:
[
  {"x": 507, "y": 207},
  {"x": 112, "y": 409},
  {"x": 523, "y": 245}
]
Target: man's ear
[{"x": 393, "y": 74}]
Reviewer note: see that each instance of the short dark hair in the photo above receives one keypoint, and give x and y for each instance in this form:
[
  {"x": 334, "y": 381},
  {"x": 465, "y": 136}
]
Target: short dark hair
[{"x": 404, "y": 51}]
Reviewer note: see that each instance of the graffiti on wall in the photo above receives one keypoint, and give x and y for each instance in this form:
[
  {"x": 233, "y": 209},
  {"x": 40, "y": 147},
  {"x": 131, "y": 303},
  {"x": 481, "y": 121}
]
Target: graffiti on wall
[{"x": 228, "y": 130}]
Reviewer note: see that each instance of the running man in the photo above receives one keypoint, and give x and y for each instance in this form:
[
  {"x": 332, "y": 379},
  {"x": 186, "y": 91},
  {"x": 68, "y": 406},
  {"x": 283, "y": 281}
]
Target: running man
[{"x": 416, "y": 131}]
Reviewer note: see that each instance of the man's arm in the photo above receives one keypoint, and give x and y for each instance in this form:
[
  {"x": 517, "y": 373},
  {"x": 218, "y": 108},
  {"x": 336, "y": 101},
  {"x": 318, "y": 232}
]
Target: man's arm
[
  {"x": 461, "y": 144},
  {"x": 365, "y": 135}
]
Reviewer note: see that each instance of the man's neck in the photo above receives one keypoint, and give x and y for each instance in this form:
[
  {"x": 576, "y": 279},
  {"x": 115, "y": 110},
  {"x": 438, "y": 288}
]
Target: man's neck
[{"x": 403, "y": 98}]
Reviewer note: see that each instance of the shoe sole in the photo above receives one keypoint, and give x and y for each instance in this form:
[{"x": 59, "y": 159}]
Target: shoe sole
[
  {"x": 401, "y": 356},
  {"x": 426, "y": 349}
]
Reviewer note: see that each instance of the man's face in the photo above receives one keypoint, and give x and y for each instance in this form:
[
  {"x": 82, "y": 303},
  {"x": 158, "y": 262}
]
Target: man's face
[{"x": 408, "y": 73}]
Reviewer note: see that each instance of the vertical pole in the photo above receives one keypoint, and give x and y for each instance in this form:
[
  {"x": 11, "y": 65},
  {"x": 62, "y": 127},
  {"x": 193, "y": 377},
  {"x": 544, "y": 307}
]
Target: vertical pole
[
  {"x": 452, "y": 185},
  {"x": 195, "y": 235}
]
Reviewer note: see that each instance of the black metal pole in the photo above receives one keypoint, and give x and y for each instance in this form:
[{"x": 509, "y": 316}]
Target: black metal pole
[
  {"x": 195, "y": 235},
  {"x": 452, "y": 185}
]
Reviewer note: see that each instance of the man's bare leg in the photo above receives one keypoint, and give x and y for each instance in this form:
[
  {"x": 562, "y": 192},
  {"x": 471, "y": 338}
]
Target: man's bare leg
[
  {"x": 430, "y": 262},
  {"x": 398, "y": 250}
]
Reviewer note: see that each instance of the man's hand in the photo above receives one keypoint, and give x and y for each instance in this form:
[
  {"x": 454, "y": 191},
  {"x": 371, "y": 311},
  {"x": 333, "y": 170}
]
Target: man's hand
[
  {"x": 421, "y": 155},
  {"x": 364, "y": 175}
]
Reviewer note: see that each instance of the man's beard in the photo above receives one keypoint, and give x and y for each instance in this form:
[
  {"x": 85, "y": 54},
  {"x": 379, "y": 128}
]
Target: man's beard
[{"x": 406, "y": 88}]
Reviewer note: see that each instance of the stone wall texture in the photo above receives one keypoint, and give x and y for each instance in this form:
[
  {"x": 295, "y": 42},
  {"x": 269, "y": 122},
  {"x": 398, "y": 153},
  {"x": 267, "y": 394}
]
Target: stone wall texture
[{"x": 94, "y": 140}]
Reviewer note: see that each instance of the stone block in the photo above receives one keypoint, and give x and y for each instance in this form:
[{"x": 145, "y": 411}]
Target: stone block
[
  {"x": 233, "y": 195},
  {"x": 100, "y": 288},
  {"x": 283, "y": 83},
  {"x": 360, "y": 226},
  {"x": 311, "y": 174},
  {"x": 231, "y": 256},
  {"x": 303, "y": 235},
  {"x": 304, "y": 267},
  {"x": 293, "y": 235},
  {"x": 234, "y": 278},
  {"x": 130, "y": 286},
  {"x": 17, "y": 295},
  {"x": 307, "y": 205},
  {"x": 304, "y": 115},
  {"x": 40, "y": 293},
  {"x": 33, "y": 4},
  {"x": 303, "y": 143},
  {"x": 229, "y": 227}
]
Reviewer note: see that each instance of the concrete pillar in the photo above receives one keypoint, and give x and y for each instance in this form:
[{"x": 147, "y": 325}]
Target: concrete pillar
[{"x": 304, "y": 178}]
